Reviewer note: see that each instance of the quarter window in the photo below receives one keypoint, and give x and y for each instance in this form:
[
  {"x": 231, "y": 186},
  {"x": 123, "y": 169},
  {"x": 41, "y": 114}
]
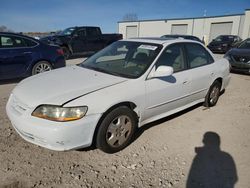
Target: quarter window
[
  {"x": 197, "y": 55},
  {"x": 29, "y": 43},
  {"x": 172, "y": 56}
]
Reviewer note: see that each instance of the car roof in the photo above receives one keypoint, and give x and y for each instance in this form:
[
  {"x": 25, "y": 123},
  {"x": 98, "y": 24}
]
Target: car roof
[
  {"x": 192, "y": 37},
  {"x": 158, "y": 40},
  {"x": 228, "y": 35},
  {"x": 176, "y": 35}
]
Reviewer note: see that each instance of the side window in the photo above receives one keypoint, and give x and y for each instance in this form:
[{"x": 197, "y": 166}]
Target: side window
[
  {"x": 172, "y": 56},
  {"x": 30, "y": 43},
  {"x": 197, "y": 55},
  {"x": 92, "y": 32},
  {"x": 15, "y": 42},
  {"x": 7, "y": 42},
  {"x": 19, "y": 42},
  {"x": 81, "y": 33}
]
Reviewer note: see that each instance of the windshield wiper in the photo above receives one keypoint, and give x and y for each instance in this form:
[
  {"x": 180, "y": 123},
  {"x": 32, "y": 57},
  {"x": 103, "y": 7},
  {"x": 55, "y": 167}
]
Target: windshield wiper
[
  {"x": 99, "y": 70},
  {"x": 105, "y": 71}
]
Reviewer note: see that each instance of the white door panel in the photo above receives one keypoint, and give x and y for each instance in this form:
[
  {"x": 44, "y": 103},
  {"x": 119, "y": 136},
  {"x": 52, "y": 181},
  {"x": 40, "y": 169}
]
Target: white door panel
[
  {"x": 201, "y": 80},
  {"x": 165, "y": 94}
]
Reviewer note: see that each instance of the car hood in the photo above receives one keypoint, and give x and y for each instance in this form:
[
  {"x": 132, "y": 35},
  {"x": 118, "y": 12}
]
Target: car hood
[
  {"x": 62, "y": 85},
  {"x": 57, "y": 39},
  {"x": 239, "y": 52}
]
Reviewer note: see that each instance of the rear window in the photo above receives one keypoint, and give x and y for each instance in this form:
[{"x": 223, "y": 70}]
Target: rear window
[{"x": 223, "y": 38}]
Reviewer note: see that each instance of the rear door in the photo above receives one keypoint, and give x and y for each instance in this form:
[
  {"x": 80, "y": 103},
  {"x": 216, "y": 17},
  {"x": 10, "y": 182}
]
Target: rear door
[
  {"x": 79, "y": 42},
  {"x": 201, "y": 70},
  {"x": 15, "y": 56},
  {"x": 94, "y": 39}
]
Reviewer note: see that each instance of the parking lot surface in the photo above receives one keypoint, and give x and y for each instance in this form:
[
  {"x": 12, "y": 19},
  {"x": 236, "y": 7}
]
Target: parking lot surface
[{"x": 162, "y": 155}]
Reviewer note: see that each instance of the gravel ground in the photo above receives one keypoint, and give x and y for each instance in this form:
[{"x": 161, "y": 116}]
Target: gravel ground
[{"x": 161, "y": 156}]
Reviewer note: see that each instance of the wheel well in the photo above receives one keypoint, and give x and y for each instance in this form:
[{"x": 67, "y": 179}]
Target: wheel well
[
  {"x": 219, "y": 80},
  {"x": 67, "y": 46},
  {"x": 33, "y": 64},
  {"x": 130, "y": 105}
]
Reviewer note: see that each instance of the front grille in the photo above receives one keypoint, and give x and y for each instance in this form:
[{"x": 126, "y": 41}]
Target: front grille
[{"x": 241, "y": 59}]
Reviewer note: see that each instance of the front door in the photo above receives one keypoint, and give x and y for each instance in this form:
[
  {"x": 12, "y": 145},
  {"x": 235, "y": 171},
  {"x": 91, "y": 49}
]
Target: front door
[{"x": 168, "y": 93}]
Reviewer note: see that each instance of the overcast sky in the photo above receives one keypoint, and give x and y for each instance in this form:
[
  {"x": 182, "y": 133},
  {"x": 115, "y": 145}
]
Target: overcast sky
[{"x": 50, "y": 15}]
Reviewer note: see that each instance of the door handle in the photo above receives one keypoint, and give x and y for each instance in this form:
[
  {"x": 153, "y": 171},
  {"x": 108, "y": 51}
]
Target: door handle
[
  {"x": 27, "y": 52},
  {"x": 185, "y": 82},
  {"x": 212, "y": 74}
]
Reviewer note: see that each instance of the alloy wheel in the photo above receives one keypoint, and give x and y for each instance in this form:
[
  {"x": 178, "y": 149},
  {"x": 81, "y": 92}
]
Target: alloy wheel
[{"x": 119, "y": 131}]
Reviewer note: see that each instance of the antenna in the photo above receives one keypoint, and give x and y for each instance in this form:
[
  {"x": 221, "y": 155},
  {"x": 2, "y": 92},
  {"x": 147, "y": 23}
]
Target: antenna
[{"x": 205, "y": 13}]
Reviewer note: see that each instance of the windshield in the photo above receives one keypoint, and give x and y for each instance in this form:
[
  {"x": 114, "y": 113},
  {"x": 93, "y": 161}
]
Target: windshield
[
  {"x": 123, "y": 58},
  {"x": 245, "y": 44},
  {"x": 67, "y": 31},
  {"x": 223, "y": 38}
]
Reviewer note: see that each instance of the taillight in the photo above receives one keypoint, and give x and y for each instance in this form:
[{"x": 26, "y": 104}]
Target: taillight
[{"x": 59, "y": 51}]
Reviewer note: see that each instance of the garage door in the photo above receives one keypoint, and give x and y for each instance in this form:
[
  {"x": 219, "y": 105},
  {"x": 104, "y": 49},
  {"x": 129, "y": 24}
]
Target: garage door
[
  {"x": 180, "y": 29},
  {"x": 217, "y": 29},
  {"x": 131, "y": 31}
]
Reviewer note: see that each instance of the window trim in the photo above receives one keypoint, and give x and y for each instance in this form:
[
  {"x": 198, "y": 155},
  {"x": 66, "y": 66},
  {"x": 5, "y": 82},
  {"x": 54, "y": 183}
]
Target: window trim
[
  {"x": 23, "y": 37},
  {"x": 182, "y": 45},
  {"x": 80, "y": 30}
]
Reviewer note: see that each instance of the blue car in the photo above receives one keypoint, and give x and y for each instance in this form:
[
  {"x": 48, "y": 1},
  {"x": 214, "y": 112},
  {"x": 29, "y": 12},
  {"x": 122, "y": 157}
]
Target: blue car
[{"x": 23, "y": 56}]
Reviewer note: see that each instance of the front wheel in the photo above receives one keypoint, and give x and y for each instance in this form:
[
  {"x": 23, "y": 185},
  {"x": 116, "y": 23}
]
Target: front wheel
[
  {"x": 40, "y": 67},
  {"x": 116, "y": 130},
  {"x": 213, "y": 94}
]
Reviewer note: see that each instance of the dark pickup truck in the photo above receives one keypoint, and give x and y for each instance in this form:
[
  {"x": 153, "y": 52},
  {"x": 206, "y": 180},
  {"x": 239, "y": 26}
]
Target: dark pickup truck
[{"x": 81, "y": 40}]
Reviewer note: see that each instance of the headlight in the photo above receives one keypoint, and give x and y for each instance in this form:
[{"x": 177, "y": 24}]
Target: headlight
[{"x": 58, "y": 113}]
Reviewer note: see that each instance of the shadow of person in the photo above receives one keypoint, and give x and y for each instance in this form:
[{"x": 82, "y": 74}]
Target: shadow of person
[{"x": 211, "y": 167}]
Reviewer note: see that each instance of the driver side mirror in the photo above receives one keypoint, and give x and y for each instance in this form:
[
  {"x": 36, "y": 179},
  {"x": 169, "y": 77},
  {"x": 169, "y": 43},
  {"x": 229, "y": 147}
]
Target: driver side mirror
[{"x": 161, "y": 71}]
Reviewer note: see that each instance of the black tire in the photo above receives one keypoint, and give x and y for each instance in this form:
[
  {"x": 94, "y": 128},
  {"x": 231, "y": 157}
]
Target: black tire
[
  {"x": 213, "y": 94},
  {"x": 66, "y": 52},
  {"x": 40, "y": 67},
  {"x": 116, "y": 130}
]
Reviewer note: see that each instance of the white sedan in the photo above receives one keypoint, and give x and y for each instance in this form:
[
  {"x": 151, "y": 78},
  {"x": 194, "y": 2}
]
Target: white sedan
[{"x": 103, "y": 100}]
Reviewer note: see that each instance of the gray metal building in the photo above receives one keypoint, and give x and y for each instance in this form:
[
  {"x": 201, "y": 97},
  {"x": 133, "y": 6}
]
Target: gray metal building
[{"x": 207, "y": 27}]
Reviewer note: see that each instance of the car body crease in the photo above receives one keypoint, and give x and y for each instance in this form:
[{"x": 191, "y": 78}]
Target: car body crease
[
  {"x": 176, "y": 99},
  {"x": 91, "y": 92}
]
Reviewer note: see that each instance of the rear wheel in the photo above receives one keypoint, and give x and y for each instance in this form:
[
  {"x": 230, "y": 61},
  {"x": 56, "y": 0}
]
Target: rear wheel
[
  {"x": 40, "y": 67},
  {"x": 213, "y": 94},
  {"x": 116, "y": 130}
]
